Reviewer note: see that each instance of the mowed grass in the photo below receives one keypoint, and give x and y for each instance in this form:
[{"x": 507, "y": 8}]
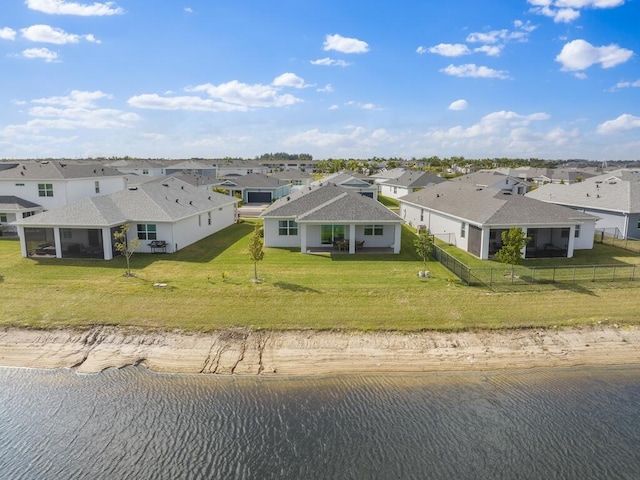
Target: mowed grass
[{"x": 346, "y": 292}]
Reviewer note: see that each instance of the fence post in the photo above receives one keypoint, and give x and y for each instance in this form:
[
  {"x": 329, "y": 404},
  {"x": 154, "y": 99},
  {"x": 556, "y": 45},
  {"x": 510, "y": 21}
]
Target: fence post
[
  {"x": 491, "y": 277},
  {"x": 553, "y": 278}
]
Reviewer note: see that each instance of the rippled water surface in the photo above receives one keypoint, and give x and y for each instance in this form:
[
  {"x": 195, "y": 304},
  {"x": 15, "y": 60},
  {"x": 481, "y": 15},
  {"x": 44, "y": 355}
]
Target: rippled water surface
[{"x": 132, "y": 423}]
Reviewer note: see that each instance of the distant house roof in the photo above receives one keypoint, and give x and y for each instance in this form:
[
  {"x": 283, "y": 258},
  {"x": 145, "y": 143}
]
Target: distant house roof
[
  {"x": 10, "y": 203},
  {"x": 389, "y": 174},
  {"x": 57, "y": 170},
  {"x": 167, "y": 201},
  {"x": 252, "y": 180},
  {"x": 489, "y": 207},
  {"x": 293, "y": 174},
  {"x": 617, "y": 191},
  {"x": 487, "y": 178},
  {"x": 343, "y": 179},
  {"x": 415, "y": 179},
  {"x": 191, "y": 178},
  {"x": 330, "y": 203}
]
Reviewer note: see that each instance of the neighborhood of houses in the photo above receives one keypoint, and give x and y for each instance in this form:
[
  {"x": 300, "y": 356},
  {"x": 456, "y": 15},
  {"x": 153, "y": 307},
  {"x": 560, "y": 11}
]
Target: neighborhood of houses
[{"x": 71, "y": 209}]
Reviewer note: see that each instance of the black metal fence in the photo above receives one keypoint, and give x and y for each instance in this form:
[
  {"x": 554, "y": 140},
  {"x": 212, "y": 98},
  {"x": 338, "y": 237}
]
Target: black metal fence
[
  {"x": 613, "y": 237},
  {"x": 523, "y": 275}
]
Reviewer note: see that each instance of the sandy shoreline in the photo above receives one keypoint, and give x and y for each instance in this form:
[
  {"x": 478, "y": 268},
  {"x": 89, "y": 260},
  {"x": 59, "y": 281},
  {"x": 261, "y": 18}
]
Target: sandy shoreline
[{"x": 317, "y": 352}]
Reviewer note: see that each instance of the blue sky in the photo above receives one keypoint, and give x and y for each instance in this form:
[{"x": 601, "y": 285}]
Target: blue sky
[{"x": 553, "y": 79}]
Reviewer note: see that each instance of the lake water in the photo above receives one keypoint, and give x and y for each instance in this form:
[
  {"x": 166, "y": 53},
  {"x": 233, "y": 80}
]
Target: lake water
[{"x": 581, "y": 423}]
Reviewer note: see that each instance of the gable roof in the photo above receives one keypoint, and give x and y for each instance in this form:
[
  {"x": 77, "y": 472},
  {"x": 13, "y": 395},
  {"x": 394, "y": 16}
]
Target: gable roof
[
  {"x": 57, "y": 170},
  {"x": 617, "y": 191},
  {"x": 414, "y": 179},
  {"x": 489, "y": 207},
  {"x": 253, "y": 180},
  {"x": 330, "y": 203},
  {"x": 168, "y": 201},
  {"x": 344, "y": 179},
  {"x": 11, "y": 203},
  {"x": 487, "y": 178}
]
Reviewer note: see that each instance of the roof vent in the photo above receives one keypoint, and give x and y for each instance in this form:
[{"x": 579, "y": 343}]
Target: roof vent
[
  {"x": 190, "y": 202},
  {"x": 165, "y": 184},
  {"x": 288, "y": 198},
  {"x": 587, "y": 194},
  {"x": 133, "y": 188},
  {"x": 177, "y": 201},
  {"x": 437, "y": 195},
  {"x": 598, "y": 195},
  {"x": 182, "y": 187}
]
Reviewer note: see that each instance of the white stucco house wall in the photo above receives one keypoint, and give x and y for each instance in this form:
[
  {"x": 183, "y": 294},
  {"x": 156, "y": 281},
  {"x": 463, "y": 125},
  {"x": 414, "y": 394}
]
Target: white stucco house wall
[
  {"x": 53, "y": 184},
  {"x": 172, "y": 213},
  {"x": 474, "y": 218}
]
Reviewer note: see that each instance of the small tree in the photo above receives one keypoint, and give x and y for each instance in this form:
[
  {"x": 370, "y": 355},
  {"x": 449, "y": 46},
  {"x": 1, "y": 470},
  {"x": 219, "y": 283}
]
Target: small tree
[
  {"x": 125, "y": 246},
  {"x": 513, "y": 241},
  {"x": 255, "y": 250},
  {"x": 424, "y": 246}
]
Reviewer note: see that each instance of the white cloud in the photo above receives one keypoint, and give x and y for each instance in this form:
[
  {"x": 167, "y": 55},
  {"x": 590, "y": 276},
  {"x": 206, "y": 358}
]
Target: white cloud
[
  {"x": 74, "y": 111},
  {"x": 458, "y": 105},
  {"x": 624, "y": 122},
  {"x": 75, "y": 99},
  {"x": 319, "y": 139},
  {"x": 62, "y": 7},
  {"x": 188, "y": 9},
  {"x": 43, "y": 53},
  {"x": 580, "y": 55},
  {"x": 566, "y": 11},
  {"x": 153, "y": 101},
  {"x": 334, "y": 107},
  {"x": 7, "y": 33},
  {"x": 450, "y": 50},
  {"x": 226, "y": 97},
  {"x": 363, "y": 106},
  {"x": 289, "y": 80},
  {"x": 344, "y": 44},
  {"x": 48, "y": 34},
  {"x": 328, "y": 88},
  {"x": 621, "y": 85},
  {"x": 495, "y": 124},
  {"x": 472, "y": 70},
  {"x": 330, "y": 62},
  {"x": 491, "y": 50},
  {"x": 519, "y": 34},
  {"x": 421, "y": 50}
]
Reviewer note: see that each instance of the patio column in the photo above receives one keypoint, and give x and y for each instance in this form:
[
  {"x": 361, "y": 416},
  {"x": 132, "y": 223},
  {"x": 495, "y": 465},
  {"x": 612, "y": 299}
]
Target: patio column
[
  {"x": 352, "y": 238},
  {"x": 397, "y": 230},
  {"x": 303, "y": 237},
  {"x": 57, "y": 241},
  {"x": 23, "y": 242},
  {"x": 523, "y": 252},
  {"x": 572, "y": 232},
  {"x": 107, "y": 252}
]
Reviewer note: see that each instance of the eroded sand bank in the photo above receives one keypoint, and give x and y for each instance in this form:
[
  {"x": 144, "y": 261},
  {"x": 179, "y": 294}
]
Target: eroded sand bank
[{"x": 317, "y": 352}]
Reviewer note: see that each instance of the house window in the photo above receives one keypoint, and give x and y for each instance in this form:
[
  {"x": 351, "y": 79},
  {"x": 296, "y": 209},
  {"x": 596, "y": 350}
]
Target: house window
[
  {"x": 287, "y": 227},
  {"x": 67, "y": 233},
  {"x": 147, "y": 231},
  {"x": 576, "y": 233},
  {"x": 463, "y": 230},
  {"x": 297, "y": 182},
  {"x": 145, "y": 171},
  {"x": 209, "y": 218},
  {"x": 19, "y": 184},
  {"x": 421, "y": 215},
  {"x": 27, "y": 214},
  {"x": 376, "y": 230},
  {"x": 564, "y": 233},
  {"x": 249, "y": 170},
  {"x": 3, "y": 218},
  {"x": 199, "y": 220},
  {"x": 97, "y": 186},
  {"x": 45, "y": 190},
  {"x": 395, "y": 189}
]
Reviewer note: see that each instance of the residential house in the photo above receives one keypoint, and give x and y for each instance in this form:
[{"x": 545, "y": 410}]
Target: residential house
[
  {"x": 331, "y": 218},
  {"x": 196, "y": 167},
  {"x": 227, "y": 168},
  {"x": 255, "y": 187},
  {"x": 13, "y": 208},
  {"x": 52, "y": 184},
  {"x": 474, "y": 218},
  {"x": 135, "y": 166},
  {"x": 409, "y": 182},
  {"x": 495, "y": 180},
  {"x": 613, "y": 197},
  {"x": 166, "y": 216},
  {"x": 349, "y": 181},
  {"x": 297, "y": 178}
]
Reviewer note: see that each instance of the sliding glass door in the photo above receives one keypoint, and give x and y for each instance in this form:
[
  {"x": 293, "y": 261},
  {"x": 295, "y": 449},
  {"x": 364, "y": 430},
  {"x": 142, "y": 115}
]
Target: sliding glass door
[{"x": 331, "y": 233}]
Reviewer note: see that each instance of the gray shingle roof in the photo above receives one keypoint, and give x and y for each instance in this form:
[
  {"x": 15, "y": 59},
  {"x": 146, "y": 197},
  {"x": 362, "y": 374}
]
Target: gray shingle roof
[
  {"x": 330, "y": 203},
  {"x": 487, "y": 178},
  {"x": 255, "y": 180},
  {"x": 414, "y": 179},
  {"x": 490, "y": 207},
  {"x": 151, "y": 202},
  {"x": 10, "y": 203},
  {"x": 57, "y": 170},
  {"x": 616, "y": 192}
]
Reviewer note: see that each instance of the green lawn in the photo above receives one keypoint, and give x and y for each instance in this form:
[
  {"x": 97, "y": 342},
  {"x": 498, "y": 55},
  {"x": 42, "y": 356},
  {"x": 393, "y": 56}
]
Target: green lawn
[{"x": 359, "y": 292}]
